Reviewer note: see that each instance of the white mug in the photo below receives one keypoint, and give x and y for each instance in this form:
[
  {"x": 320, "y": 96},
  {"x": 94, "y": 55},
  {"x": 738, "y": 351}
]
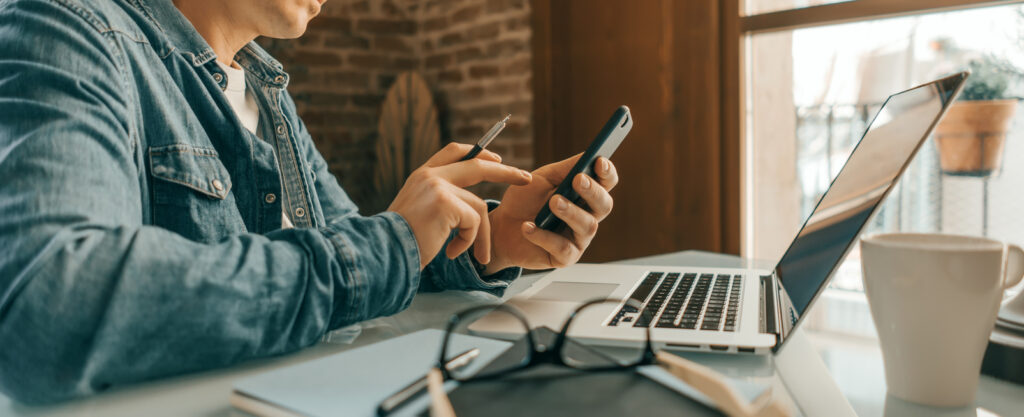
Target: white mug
[{"x": 934, "y": 300}]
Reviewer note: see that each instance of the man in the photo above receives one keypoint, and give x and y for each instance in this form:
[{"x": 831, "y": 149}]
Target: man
[{"x": 163, "y": 209}]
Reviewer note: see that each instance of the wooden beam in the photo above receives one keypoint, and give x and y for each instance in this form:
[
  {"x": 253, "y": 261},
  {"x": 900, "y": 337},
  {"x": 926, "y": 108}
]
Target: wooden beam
[
  {"x": 543, "y": 126},
  {"x": 732, "y": 128},
  {"x": 852, "y": 11}
]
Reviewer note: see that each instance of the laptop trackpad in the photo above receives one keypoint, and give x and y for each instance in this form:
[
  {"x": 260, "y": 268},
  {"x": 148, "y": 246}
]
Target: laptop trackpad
[{"x": 577, "y": 292}]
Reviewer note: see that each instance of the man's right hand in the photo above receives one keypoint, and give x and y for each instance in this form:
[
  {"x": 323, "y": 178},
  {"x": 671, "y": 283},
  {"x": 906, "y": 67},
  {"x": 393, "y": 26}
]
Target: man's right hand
[{"x": 433, "y": 201}]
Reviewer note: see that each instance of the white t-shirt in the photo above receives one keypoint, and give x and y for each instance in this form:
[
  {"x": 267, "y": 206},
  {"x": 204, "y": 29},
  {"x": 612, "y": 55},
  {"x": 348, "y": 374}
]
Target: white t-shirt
[{"x": 244, "y": 105}]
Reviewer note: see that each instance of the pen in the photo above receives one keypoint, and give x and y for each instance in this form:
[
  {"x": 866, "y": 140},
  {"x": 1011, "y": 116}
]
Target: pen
[
  {"x": 412, "y": 390},
  {"x": 486, "y": 139}
]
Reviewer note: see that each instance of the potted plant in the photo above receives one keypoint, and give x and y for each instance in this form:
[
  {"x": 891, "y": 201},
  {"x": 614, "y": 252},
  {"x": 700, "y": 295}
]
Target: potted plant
[{"x": 972, "y": 135}]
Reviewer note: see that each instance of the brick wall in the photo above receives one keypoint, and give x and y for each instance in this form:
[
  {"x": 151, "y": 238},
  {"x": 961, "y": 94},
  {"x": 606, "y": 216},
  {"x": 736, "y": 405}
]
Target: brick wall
[{"x": 474, "y": 54}]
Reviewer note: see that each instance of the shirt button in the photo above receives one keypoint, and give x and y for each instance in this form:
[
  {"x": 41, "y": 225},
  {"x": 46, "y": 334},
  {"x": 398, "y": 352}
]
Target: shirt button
[
  {"x": 280, "y": 129},
  {"x": 279, "y": 79},
  {"x": 217, "y": 77},
  {"x": 300, "y": 212},
  {"x": 270, "y": 198},
  {"x": 217, "y": 185}
]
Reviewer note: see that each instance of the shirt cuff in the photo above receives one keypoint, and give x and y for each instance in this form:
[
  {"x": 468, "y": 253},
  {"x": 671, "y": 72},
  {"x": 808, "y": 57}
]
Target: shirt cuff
[{"x": 464, "y": 273}]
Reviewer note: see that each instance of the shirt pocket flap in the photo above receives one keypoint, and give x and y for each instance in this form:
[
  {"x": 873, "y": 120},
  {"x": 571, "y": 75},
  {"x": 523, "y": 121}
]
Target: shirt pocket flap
[{"x": 197, "y": 168}]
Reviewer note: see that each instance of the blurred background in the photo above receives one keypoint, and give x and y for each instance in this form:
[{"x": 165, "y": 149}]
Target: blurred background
[{"x": 745, "y": 110}]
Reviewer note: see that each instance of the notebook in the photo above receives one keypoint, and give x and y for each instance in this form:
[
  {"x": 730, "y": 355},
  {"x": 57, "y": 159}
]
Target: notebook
[
  {"x": 354, "y": 382},
  {"x": 549, "y": 390}
]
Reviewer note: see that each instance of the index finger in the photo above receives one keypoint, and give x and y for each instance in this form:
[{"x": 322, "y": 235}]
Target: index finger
[
  {"x": 474, "y": 171},
  {"x": 556, "y": 171}
]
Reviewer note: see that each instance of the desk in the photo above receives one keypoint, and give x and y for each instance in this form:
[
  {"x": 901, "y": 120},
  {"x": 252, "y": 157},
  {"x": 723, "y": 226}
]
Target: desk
[{"x": 856, "y": 365}]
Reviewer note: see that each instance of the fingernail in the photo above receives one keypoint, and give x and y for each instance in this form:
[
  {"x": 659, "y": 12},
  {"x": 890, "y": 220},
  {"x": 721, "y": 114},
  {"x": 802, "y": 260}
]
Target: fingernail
[
  {"x": 530, "y": 227},
  {"x": 584, "y": 182},
  {"x": 560, "y": 203},
  {"x": 525, "y": 174},
  {"x": 605, "y": 165}
]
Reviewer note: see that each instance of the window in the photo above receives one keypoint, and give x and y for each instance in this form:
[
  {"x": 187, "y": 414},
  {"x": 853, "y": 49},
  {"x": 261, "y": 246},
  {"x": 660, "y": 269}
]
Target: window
[{"x": 810, "y": 94}]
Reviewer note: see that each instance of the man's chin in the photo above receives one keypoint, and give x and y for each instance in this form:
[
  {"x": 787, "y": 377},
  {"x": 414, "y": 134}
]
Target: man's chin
[{"x": 291, "y": 31}]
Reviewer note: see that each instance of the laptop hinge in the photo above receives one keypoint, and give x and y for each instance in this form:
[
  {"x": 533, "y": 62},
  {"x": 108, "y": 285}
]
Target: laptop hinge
[{"x": 769, "y": 300}]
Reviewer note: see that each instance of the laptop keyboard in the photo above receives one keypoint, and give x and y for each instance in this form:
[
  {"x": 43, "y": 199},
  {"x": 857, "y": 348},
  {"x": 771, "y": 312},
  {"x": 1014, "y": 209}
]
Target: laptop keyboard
[{"x": 706, "y": 302}]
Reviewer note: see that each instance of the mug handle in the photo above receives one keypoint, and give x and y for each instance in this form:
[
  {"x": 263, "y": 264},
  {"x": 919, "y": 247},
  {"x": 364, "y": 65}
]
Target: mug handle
[{"x": 1014, "y": 266}]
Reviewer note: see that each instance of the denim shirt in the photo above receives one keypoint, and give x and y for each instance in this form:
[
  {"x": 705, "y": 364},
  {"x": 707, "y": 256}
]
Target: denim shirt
[{"x": 140, "y": 223}]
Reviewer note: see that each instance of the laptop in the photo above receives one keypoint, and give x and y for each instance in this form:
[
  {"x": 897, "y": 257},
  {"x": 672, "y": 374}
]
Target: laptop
[{"x": 740, "y": 310}]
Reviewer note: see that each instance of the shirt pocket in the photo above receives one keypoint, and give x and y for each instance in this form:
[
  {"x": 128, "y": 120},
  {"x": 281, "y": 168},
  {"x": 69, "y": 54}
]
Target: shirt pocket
[{"x": 192, "y": 193}]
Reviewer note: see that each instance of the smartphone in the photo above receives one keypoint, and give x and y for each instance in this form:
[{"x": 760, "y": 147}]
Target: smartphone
[{"x": 604, "y": 145}]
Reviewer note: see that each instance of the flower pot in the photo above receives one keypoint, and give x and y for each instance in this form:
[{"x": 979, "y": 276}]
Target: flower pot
[{"x": 971, "y": 137}]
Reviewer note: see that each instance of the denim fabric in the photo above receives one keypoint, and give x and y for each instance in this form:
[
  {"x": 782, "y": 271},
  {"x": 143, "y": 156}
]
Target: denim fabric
[{"x": 138, "y": 234}]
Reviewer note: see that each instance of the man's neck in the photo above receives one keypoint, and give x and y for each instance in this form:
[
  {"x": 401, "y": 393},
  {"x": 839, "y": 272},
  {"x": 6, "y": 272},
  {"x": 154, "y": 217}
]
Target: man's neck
[{"x": 214, "y": 21}]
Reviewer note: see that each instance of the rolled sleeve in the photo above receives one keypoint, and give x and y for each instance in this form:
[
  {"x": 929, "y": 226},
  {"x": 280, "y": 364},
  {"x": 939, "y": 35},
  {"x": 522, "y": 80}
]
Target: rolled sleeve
[{"x": 383, "y": 260}]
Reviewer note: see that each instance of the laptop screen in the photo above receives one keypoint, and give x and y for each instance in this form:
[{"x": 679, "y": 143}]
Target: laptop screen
[{"x": 891, "y": 140}]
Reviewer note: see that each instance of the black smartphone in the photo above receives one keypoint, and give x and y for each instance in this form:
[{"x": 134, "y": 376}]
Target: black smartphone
[{"x": 605, "y": 144}]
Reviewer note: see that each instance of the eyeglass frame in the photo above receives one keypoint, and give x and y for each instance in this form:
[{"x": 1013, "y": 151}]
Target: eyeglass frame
[
  {"x": 550, "y": 355},
  {"x": 697, "y": 376}
]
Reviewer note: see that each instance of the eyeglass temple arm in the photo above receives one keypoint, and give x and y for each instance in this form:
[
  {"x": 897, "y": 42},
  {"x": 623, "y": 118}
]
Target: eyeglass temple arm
[
  {"x": 440, "y": 405},
  {"x": 712, "y": 385}
]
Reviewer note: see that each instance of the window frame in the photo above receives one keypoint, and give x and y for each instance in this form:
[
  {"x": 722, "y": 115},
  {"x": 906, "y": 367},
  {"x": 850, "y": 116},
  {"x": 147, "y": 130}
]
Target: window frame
[{"x": 737, "y": 32}]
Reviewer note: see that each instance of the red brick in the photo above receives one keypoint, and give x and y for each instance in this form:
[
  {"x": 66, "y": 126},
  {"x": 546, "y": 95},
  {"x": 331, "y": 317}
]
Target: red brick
[
  {"x": 518, "y": 67},
  {"x": 469, "y": 94},
  {"x": 450, "y": 39},
  {"x": 361, "y": 6},
  {"x": 390, "y": 9},
  {"x": 434, "y": 24},
  {"x": 367, "y": 100},
  {"x": 347, "y": 119},
  {"x": 468, "y": 134},
  {"x": 520, "y": 108},
  {"x": 384, "y": 81},
  {"x": 502, "y": 88},
  {"x": 316, "y": 58},
  {"x": 487, "y": 111},
  {"x": 500, "y": 6},
  {"x": 483, "y": 32},
  {"x": 518, "y": 23},
  {"x": 322, "y": 99},
  {"x": 467, "y": 54},
  {"x": 328, "y": 138},
  {"x": 342, "y": 78},
  {"x": 386, "y": 26},
  {"x": 438, "y": 61},
  {"x": 506, "y": 48},
  {"x": 344, "y": 40},
  {"x": 330, "y": 24},
  {"x": 451, "y": 76},
  {"x": 391, "y": 43},
  {"x": 369, "y": 61},
  {"x": 483, "y": 71},
  {"x": 516, "y": 129},
  {"x": 406, "y": 63},
  {"x": 310, "y": 40},
  {"x": 466, "y": 14}
]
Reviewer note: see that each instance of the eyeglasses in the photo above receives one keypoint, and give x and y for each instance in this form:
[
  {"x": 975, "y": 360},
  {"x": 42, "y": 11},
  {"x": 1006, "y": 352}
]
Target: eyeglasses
[{"x": 571, "y": 354}]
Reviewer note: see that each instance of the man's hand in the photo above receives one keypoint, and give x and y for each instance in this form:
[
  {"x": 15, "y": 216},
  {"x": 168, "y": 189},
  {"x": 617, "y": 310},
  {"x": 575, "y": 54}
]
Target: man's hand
[
  {"x": 433, "y": 201},
  {"x": 517, "y": 241}
]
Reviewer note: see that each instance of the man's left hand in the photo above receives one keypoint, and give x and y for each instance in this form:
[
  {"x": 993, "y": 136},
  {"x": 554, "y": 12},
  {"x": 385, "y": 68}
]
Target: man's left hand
[{"x": 517, "y": 241}]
